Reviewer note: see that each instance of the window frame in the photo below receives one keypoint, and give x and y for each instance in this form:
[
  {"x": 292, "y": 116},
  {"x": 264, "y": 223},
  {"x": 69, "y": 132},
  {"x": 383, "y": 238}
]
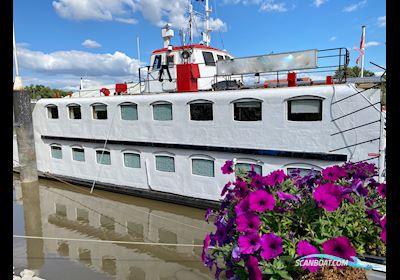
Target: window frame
[
  {"x": 301, "y": 165},
  {"x": 247, "y": 100},
  {"x": 102, "y": 153},
  {"x": 200, "y": 101},
  {"x": 159, "y": 63},
  {"x": 169, "y": 62},
  {"x": 49, "y": 108},
  {"x": 133, "y": 153},
  {"x": 162, "y": 102},
  {"x": 55, "y": 145},
  {"x": 304, "y": 117},
  {"x": 164, "y": 154},
  {"x": 207, "y": 62},
  {"x": 205, "y": 158},
  {"x": 98, "y": 104},
  {"x": 80, "y": 148},
  {"x": 129, "y": 104},
  {"x": 250, "y": 162},
  {"x": 70, "y": 107}
]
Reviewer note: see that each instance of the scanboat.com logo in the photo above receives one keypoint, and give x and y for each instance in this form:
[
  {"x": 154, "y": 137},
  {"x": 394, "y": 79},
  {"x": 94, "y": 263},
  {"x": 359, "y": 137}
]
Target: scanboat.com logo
[{"x": 329, "y": 260}]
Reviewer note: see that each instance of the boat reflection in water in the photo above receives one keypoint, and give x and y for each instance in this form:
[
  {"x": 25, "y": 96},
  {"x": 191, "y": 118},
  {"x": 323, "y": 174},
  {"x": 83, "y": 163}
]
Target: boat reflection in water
[{"x": 53, "y": 209}]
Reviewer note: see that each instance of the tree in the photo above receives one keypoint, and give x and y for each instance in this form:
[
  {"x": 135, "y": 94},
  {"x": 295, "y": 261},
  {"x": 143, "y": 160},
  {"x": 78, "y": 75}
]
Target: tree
[
  {"x": 352, "y": 72},
  {"x": 41, "y": 91}
]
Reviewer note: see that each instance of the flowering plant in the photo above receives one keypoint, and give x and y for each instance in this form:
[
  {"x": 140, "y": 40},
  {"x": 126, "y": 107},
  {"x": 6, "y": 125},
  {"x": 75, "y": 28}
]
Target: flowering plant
[{"x": 267, "y": 222}]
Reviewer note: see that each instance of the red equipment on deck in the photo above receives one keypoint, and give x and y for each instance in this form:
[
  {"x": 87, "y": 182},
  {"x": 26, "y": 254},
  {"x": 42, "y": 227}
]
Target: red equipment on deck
[
  {"x": 121, "y": 88},
  {"x": 291, "y": 77},
  {"x": 187, "y": 75}
]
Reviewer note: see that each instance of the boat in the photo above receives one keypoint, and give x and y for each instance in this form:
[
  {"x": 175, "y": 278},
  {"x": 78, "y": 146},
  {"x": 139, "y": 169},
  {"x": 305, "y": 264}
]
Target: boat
[{"x": 194, "y": 107}]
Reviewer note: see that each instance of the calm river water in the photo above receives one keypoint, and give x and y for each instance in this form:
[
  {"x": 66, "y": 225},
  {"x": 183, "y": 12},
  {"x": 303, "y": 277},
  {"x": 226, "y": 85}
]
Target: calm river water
[{"x": 72, "y": 228}]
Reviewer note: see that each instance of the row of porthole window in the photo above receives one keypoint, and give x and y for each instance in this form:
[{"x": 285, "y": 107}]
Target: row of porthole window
[
  {"x": 201, "y": 167},
  {"x": 304, "y": 109}
]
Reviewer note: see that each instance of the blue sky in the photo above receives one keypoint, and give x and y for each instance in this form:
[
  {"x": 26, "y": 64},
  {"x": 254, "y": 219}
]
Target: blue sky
[{"x": 61, "y": 40}]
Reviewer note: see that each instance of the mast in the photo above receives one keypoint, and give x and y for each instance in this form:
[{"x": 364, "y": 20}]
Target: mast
[
  {"x": 190, "y": 23},
  {"x": 363, "y": 51},
  {"x": 207, "y": 38}
]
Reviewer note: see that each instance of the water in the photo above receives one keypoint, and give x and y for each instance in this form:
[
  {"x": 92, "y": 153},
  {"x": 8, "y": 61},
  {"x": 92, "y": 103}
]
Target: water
[{"x": 61, "y": 211}]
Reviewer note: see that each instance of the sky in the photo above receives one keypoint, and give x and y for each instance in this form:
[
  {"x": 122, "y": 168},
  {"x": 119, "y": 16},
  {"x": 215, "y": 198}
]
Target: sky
[{"x": 60, "y": 41}]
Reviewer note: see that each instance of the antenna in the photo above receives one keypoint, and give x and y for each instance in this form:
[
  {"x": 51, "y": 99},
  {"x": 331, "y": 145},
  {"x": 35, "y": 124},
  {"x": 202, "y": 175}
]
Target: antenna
[
  {"x": 15, "y": 54},
  {"x": 138, "y": 50},
  {"x": 206, "y": 35},
  {"x": 190, "y": 23}
]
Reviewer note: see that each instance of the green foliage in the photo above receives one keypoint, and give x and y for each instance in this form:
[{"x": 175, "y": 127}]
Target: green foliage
[
  {"x": 352, "y": 72},
  {"x": 41, "y": 91}
]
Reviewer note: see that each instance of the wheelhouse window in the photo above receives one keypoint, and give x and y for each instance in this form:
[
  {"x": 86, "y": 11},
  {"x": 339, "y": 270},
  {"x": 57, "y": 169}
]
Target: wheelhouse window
[
  {"x": 165, "y": 163},
  {"x": 162, "y": 111},
  {"x": 245, "y": 167},
  {"x": 203, "y": 167},
  {"x": 170, "y": 61},
  {"x": 129, "y": 111},
  {"x": 74, "y": 111},
  {"x": 103, "y": 157},
  {"x": 305, "y": 109},
  {"x": 78, "y": 154},
  {"x": 220, "y": 57},
  {"x": 247, "y": 110},
  {"x": 208, "y": 58},
  {"x": 56, "y": 151},
  {"x": 132, "y": 160},
  {"x": 157, "y": 62},
  {"x": 201, "y": 110},
  {"x": 52, "y": 111},
  {"x": 99, "y": 111}
]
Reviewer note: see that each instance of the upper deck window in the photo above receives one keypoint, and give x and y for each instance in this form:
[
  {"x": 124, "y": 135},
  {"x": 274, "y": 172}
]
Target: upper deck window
[
  {"x": 220, "y": 57},
  {"x": 52, "y": 111},
  {"x": 162, "y": 111},
  {"x": 209, "y": 58},
  {"x": 305, "y": 109},
  {"x": 170, "y": 61},
  {"x": 157, "y": 62},
  {"x": 129, "y": 111},
  {"x": 247, "y": 110},
  {"x": 74, "y": 111},
  {"x": 99, "y": 111},
  {"x": 201, "y": 110}
]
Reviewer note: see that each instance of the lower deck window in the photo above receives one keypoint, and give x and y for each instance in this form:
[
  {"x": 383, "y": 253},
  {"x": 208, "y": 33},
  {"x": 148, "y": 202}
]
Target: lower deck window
[
  {"x": 305, "y": 110},
  {"x": 52, "y": 112},
  {"x": 129, "y": 112},
  {"x": 75, "y": 112},
  {"x": 103, "y": 157},
  {"x": 165, "y": 163},
  {"x": 247, "y": 167},
  {"x": 132, "y": 160},
  {"x": 56, "y": 152},
  {"x": 203, "y": 167},
  {"x": 201, "y": 112},
  {"x": 247, "y": 111},
  {"x": 303, "y": 171},
  {"x": 78, "y": 154},
  {"x": 162, "y": 112}
]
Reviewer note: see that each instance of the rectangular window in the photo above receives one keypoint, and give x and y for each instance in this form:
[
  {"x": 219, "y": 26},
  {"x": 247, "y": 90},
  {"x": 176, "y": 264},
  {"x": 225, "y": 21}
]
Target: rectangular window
[
  {"x": 103, "y": 157},
  {"x": 220, "y": 57},
  {"x": 135, "y": 230},
  {"x": 170, "y": 61},
  {"x": 209, "y": 58},
  {"x": 75, "y": 112},
  {"x": 227, "y": 57},
  {"x": 203, "y": 167},
  {"x": 165, "y": 163},
  {"x": 157, "y": 62},
  {"x": 305, "y": 110},
  {"x": 82, "y": 215},
  {"x": 56, "y": 152},
  {"x": 162, "y": 112},
  {"x": 303, "y": 171},
  {"x": 52, "y": 112},
  {"x": 107, "y": 222},
  {"x": 84, "y": 256},
  {"x": 109, "y": 265},
  {"x": 201, "y": 112},
  {"x": 132, "y": 160},
  {"x": 78, "y": 154},
  {"x": 129, "y": 112},
  {"x": 247, "y": 167},
  {"x": 61, "y": 210},
  {"x": 247, "y": 111},
  {"x": 100, "y": 112}
]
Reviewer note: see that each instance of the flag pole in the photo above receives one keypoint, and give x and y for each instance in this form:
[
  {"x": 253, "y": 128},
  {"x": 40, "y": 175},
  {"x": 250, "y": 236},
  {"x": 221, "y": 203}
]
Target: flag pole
[{"x": 363, "y": 52}]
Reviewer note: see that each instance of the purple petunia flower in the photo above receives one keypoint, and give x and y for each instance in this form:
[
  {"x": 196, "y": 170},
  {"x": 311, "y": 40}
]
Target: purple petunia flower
[
  {"x": 328, "y": 196},
  {"x": 220, "y": 234},
  {"x": 333, "y": 173},
  {"x": 348, "y": 198},
  {"x": 383, "y": 233},
  {"x": 271, "y": 246},
  {"x": 209, "y": 212},
  {"x": 236, "y": 254},
  {"x": 276, "y": 177},
  {"x": 374, "y": 215},
  {"x": 253, "y": 269},
  {"x": 227, "y": 167},
  {"x": 249, "y": 243},
  {"x": 287, "y": 196},
  {"x": 248, "y": 222},
  {"x": 339, "y": 247},
  {"x": 225, "y": 188},
  {"x": 304, "y": 248},
  {"x": 257, "y": 181},
  {"x": 206, "y": 243},
  {"x": 261, "y": 200},
  {"x": 242, "y": 207},
  {"x": 382, "y": 190}
]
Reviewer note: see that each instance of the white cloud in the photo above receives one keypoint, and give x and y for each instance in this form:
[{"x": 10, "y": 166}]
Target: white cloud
[
  {"x": 372, "y": 44},
  {"x": 90, "y": 44},
  {"x": 333, "y": 38},
  {"x": 126, "y": 20},
  {"x": 78, "y": 63},
  {"x": 318, "y": 3},
  {"x": 354, "y": 7},
  {"x": 271, "y": 6},
  {"x": 381, "y": 21}
]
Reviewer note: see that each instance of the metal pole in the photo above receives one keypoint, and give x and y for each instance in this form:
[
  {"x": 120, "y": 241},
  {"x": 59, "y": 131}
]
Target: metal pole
[
  {"x": 24, "y": 129},
  {"x": 363, "y": 52}
]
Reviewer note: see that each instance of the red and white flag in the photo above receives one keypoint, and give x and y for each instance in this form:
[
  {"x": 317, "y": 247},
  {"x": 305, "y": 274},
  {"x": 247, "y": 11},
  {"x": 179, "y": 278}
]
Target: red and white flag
[{"x": 361, "y": 49}]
